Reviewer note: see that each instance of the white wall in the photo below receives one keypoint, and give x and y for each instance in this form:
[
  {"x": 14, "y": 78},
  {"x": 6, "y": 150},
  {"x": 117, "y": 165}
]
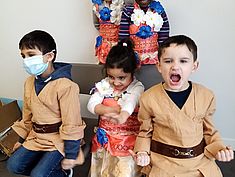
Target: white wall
[{"x": 211, "y": 23}]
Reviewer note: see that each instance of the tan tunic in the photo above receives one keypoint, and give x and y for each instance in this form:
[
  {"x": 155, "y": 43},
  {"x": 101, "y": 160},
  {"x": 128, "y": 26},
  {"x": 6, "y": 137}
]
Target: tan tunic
[
  {"x": 163, "y": 121},
  {"x": 58, "y": 101}
]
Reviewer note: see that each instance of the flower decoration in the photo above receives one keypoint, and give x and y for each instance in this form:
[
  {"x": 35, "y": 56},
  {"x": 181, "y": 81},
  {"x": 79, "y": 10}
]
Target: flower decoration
[
  {"x": 137, "y": 17},
  {"x": 152, "y": 18},
  {"x": 99, "y": 2},
  {"x": 101, "y": 136},
  {"x": 116, "y": 8},
  {"x": 156, "y": 6},
  {"x": 116, "y": 4},
  {"x": 115, "y": 17},
  {"x": 98, "y": 41},
  {"x": 106, "y": 11},
  {"x": 104, "y": 87},
  {"x": 144, "y": 32},
  {"x": 158, "y": 22},
  {"x": 105, "y": 14}
]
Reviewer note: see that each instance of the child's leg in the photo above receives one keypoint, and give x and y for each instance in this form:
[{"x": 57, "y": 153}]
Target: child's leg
[
  {"x": 49, "y": 165},
  {"x": 22, "y": 161}
]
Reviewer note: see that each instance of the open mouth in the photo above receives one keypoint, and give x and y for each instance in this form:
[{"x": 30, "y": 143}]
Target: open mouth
[{"x": 175, "y": 78}]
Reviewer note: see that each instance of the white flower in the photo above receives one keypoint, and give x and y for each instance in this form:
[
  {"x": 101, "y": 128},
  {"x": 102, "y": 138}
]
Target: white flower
[
  {"x": 115, "y": 17},
  {"x": 96, "y": 12},
  {"x": 158, "y": 22},
  {"x": 137, "y": 17},
  {"x": 104, "y": 88},
  {"x": 116, "y": 5},
  {"x": 116, "y": 13},
  {"x": 149, "y": 17}
]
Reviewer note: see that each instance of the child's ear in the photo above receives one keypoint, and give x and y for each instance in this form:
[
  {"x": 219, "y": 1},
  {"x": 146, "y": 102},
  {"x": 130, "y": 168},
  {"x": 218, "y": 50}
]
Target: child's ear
[
  {"x": 195, "y": 66},
  {"x": 50, "y": 56},
  {"x": 158, "y": 66}
]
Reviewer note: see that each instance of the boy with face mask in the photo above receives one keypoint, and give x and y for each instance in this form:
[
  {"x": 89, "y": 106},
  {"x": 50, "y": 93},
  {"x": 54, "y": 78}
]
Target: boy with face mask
[
  {"x": 146, "y": 23},
  {"x": 51, "y": 127}
]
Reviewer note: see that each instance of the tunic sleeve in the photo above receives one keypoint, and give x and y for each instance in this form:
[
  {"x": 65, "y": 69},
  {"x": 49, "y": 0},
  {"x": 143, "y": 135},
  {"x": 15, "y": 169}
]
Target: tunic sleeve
[
  {"x": 211, "y": 135},
  {"x": 144, "y": 137},
  {"x": 23, "y": 127},
  {"x": 72, "y": 127},
  {"x": 94, "y": 100}
]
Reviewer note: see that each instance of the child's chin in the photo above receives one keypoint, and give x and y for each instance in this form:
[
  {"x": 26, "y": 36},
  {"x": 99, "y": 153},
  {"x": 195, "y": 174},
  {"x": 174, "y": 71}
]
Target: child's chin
[{"x": 176, "y": 86}]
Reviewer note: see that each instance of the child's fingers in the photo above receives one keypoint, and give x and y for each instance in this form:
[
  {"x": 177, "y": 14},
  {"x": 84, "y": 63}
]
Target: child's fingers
[
  {"x": 229, "y": 153},
  {"x": 110, "y": 114},
  {"x": 133, "y": 154},
  {"x": 113, "y": 120},
  {"x": 225, "y": 155},
  {"x": 143, "y": 159},
  {"x": 218, "y": 156}
]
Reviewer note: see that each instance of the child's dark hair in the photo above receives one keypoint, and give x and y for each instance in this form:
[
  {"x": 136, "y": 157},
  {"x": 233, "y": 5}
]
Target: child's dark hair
[
  {"x": 122, "y": 56},
  {"x": 179, "y": 40},
  {"x": 41, "y": 40}
]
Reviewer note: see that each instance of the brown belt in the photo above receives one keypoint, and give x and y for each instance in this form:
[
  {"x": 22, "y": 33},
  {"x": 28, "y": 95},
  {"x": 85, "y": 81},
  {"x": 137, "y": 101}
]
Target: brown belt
[
  {"x": 46, "y": 128},
  {"x": 177, "y": 152}
]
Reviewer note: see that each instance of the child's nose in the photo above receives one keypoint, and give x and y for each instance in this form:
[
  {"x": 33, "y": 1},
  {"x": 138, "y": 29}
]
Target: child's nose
[
  {"x": 175, "y": 65},
  {"x": 116, "y": 82}
]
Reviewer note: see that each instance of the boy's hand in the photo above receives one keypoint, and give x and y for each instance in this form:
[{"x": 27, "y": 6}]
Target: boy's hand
[
  {"x": 225, "y": 155},
  {"x": 68, "y": 163},
  {"x": 16, "y": 146},
  {"x": 141, "y": 158}
]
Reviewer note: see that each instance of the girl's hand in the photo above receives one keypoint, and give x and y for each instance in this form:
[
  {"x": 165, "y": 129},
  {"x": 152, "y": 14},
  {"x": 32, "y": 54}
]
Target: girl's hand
[
  {"x": 116, "y": 109},
  {"x": 141, "y": 158},
  {"x": 103, "y": 110},
  {"x": 16, "y": 146},
  {"x": 225, "y": 155},
  {"x": 109, "y": 117},
  {"x": 117, "y": 118}
]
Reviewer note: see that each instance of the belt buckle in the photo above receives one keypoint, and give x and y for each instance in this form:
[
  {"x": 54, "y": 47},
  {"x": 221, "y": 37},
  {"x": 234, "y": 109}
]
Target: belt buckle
[
  {"x": 177, "y": 153},
  {"x": 43, "y": 129}
]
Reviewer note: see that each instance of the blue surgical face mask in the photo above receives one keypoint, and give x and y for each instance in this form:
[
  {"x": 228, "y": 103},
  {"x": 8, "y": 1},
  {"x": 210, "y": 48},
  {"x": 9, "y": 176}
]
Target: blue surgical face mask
[{"x": 34, "y": 65}]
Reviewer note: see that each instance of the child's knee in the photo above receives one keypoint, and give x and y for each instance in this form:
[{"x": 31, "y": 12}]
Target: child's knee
[{"x": 13, "y": 166}]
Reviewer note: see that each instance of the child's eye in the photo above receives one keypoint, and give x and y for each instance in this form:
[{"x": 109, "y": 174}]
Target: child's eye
[
  {"x": 183, "y": 61},
  {"x": 111, "y": 77},
  {"x": 167, "y": 61},
  {"x": 122, "y": 78}
]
